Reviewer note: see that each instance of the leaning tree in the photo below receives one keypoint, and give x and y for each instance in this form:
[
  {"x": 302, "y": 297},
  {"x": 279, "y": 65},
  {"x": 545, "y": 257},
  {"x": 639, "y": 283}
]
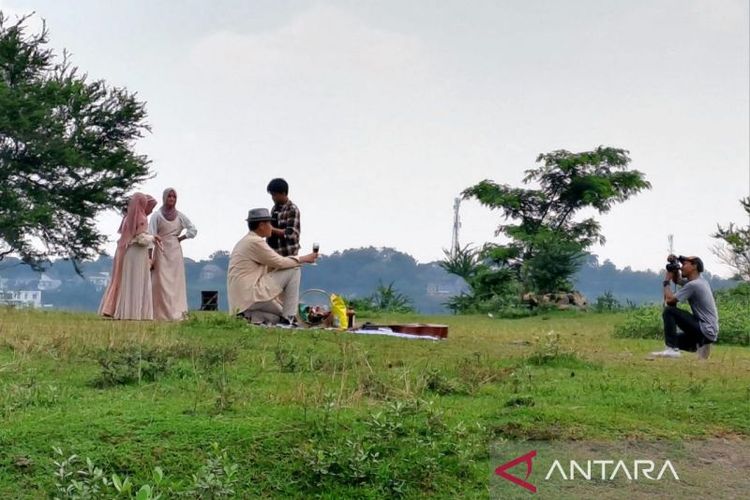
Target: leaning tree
[
  {"x": 66, "y": 149},
  {"x": 545, "y": 241}
]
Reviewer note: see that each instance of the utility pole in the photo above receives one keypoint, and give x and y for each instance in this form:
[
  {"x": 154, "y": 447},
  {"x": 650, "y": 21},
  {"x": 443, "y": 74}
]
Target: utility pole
[{"x": 455, "y": 246}]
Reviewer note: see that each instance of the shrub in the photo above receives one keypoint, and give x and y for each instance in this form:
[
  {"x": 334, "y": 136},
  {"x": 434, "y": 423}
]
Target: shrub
[
  {"x": 73, "y": 480},
  {"x": 132, "y": 364},
  {"x": 77, "y": 479},
  {"x": 607, "y": 302},
  {"x": 386, "y": 298},
  {"x": 401, "y": 450},
  {"x": 217, "y": 478},
  {"x": 549, "y": 351},
  {"x": 642, "y": 323},
  {"x": 437, "y": 382}
]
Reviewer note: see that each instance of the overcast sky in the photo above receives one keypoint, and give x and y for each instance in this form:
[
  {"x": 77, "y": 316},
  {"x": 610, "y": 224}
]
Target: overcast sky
[{"x": 379, "y": 113}]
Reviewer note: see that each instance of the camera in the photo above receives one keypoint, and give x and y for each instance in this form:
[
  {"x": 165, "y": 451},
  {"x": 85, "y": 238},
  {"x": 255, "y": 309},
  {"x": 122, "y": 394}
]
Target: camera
[{"x": 674, "y": 263}]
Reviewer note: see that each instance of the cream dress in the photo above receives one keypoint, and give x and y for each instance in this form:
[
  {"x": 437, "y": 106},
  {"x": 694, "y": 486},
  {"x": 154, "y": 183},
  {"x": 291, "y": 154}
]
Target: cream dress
[
  {"x": 168, "y": 275},
  {"x": 134, "y": 300}
]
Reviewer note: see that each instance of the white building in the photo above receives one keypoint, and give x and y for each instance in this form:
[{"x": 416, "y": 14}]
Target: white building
[
  {"x": 21, "y": 298},
  {"x": 210, "y": 272},
  {"x": 47, "y": 283},
  {"x": 99, "y": 280}
]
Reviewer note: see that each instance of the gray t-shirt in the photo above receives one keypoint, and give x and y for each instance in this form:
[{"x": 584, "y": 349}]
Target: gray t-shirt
[{"x": 698, "y": 295}]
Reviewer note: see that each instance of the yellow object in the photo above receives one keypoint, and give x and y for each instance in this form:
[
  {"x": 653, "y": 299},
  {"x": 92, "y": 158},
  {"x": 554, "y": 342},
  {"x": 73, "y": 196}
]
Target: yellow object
[{"x": 338, "y": 311}]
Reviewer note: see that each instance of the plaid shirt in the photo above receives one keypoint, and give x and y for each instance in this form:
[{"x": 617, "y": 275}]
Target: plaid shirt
[{"x": 285, "y": 217}]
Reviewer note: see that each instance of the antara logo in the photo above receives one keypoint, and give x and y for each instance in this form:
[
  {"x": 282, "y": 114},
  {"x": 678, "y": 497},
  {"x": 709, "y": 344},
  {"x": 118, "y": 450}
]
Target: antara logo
[
  {"x": 618, "y": 468},
  {"x": 610, "y": 470},
  {"x": 502, "y": 471}
]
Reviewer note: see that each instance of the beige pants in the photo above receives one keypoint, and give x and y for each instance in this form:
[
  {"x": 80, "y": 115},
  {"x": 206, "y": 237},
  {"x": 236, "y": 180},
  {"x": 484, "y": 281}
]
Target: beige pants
[{"x": 271, "y": 310}]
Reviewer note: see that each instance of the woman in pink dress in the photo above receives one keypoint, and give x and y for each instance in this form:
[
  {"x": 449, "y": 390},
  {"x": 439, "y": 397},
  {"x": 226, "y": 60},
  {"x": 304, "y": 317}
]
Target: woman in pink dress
[
  {"x": 128, "y": 295},
  {"x": 168, "y": 271}
]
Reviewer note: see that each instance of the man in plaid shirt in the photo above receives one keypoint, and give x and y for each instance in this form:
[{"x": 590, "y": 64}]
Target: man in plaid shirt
[{"x": 284, "y": 238}]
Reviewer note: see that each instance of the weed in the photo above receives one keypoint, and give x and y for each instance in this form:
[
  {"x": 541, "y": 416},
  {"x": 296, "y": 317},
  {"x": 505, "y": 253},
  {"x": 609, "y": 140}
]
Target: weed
[
  {"x": 210, "y": 367},
  {"x": 477, "y": 370},
  {"x": 15, "y": 397},
  {"x": 549, "y": 352},
  {"x": 374, "y": 386},
  {"x": 209, "y": 357},
  {"x": 75, "y": 479},
  {"x": 438, "y": 383},
  {"x": 214, "y": 321},
  {"x": 287, "y": 359},
  {"x": 224, "y": 393},
  {"x": 520, "y": 379},
  {"x": 217, "y": 478},
  {"x": 520, "y": 401},
  {"x": 129, "y": 365},
  {"x": 643, "y": 323},
  {"x": 393, "y": 451}
]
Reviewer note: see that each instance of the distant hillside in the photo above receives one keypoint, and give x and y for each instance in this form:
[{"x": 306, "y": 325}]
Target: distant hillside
[{"x": 352, "y": 273}]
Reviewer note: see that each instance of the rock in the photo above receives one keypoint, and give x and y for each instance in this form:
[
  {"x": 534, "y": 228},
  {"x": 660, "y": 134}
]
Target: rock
[
  {"x": 530, "y": 299},
  {"x": 560, "y": 300},
  {"x": 578, "y": 299}
]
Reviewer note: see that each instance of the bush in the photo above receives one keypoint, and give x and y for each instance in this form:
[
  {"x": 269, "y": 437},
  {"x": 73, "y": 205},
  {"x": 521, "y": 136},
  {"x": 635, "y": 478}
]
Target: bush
[
  {"x": 129, "y": 365},
  {"x": 506, "y": 307},
  {"x": 399, "y": 451},
  {"x": 607, "y": 302},
  {"x": 79, "y": 479}
]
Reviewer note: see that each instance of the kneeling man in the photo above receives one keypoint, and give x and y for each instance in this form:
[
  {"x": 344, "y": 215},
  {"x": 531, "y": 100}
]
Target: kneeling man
[
  {"x": 258, "y": 276},
  {"x": 700, "y": 328}
]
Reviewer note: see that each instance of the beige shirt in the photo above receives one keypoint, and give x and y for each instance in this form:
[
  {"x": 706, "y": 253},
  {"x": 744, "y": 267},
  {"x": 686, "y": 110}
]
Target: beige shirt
[{"x": 248, "y": 281}]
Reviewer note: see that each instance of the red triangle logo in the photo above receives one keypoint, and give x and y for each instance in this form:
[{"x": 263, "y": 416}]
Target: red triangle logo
[{"x": 502, "y": 471}]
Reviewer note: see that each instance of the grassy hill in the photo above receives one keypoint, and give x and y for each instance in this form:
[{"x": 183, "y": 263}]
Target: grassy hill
[{"x": 213, "y": 406}]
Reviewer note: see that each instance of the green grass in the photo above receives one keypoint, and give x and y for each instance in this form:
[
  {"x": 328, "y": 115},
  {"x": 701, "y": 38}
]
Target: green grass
[{"x": 332, "y": 415}]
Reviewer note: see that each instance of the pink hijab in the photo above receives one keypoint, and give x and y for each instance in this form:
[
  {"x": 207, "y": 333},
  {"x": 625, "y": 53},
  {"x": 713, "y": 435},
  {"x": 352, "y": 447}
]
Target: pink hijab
[
  {"x": 168, "y": 213},
  {"x": 135, "y": 222}
]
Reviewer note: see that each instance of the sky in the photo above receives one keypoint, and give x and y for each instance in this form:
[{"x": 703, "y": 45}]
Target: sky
[{"x": 379, "y": 113}]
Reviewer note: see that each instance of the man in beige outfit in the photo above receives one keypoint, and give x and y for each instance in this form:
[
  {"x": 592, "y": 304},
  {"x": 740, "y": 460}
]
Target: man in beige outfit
[{"x": 258, "y": 277}]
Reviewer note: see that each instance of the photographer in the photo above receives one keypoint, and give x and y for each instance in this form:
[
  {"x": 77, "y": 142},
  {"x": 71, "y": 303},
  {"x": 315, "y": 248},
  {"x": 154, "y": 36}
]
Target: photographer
[{"x": 699, "y": 328}]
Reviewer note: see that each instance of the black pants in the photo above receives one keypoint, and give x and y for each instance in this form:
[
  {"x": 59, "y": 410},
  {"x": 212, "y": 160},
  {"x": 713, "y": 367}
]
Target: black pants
[{"x": 690, "y": 338}]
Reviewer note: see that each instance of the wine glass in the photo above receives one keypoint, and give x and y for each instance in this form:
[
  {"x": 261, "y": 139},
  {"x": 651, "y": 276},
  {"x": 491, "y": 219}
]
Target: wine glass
[{"x": 316, "y": 248}]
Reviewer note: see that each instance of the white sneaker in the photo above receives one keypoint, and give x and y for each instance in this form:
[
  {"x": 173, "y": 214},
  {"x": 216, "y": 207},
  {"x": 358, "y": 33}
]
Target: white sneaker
[{"x": 668, "y": 352}]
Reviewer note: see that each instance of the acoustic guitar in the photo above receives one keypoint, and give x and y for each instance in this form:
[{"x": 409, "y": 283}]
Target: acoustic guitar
[{"x": 426, "y": 329}]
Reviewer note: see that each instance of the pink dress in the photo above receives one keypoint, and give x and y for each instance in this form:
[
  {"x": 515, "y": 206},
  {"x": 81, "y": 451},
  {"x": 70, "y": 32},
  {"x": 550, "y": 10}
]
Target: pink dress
[
  {"x": 134, "y": 300},
  {"x": 128, "y": 295}
]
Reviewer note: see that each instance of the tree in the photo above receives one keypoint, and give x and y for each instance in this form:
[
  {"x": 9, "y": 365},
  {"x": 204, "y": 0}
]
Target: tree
[
  {"x": 734, "y": 247},
  {"x": 546, "y": 244},
  {"x": 66, "y": 150},
  {"x": 461, "y": 262},
  {"x": 388, "y": 299}
]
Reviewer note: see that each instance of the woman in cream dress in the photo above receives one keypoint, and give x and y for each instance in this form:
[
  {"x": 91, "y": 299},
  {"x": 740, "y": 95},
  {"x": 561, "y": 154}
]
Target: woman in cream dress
[
  {"x": 168, "y": 271},
  {"x": 128, "y": 295}
]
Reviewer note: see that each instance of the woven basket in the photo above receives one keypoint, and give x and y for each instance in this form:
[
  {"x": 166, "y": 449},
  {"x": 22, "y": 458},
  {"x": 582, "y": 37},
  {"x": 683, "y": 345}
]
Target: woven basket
[{"x": 314, "y": 307}]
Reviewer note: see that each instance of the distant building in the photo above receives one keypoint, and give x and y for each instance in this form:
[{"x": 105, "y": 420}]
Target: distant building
[
  {"x": 99, "y": 280},
  {"x": 445, "y": 288},
  {"x": 21, "y": 298},
  {"x": 210, "y": 272},
  {"x": 47, "y": 283}
]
